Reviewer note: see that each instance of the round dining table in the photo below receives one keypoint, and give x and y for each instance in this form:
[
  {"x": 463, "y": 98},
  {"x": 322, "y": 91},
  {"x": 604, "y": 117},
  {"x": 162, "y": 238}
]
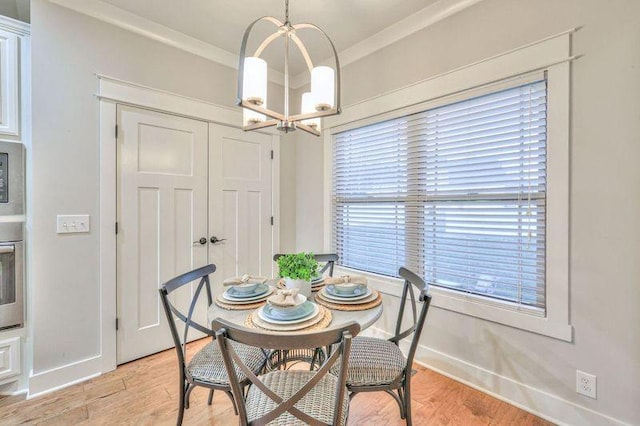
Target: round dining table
[{"x": 366, "y": 318}]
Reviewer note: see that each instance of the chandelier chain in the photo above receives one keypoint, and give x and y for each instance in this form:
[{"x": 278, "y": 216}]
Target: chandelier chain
[{"x": 286, "y": 10}]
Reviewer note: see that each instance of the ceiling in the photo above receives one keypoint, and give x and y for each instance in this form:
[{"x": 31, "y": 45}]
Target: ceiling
[{"x": 223, "y": 22}]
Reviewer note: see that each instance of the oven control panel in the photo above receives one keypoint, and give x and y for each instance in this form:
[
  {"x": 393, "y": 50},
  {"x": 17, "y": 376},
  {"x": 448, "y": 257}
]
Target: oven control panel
[
  {"x": 12, "y": 175},
  {"x": 4, "y": 181}
]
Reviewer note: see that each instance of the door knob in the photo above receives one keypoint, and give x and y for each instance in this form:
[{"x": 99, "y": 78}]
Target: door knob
[
  {"x": 215, "y": 239},
  {"x": 201, "y": 241}
]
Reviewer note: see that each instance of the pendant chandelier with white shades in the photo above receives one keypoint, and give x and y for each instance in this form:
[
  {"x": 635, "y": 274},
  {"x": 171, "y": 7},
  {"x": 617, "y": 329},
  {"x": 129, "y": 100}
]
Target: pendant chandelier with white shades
[{"x": 322, "y": 101}]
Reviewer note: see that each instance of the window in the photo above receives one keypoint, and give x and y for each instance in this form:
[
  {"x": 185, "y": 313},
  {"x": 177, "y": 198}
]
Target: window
[{"x": 457, "y": 193}]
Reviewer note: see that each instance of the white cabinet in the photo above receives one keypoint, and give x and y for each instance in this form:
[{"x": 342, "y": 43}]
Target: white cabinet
[
  {"x": 9, "y": 84},
  {"x": 9, "y": 359}
]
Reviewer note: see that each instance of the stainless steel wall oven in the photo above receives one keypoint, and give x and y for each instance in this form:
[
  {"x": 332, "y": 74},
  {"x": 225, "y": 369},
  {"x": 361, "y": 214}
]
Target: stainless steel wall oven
[{"x": 11, "y": 275}]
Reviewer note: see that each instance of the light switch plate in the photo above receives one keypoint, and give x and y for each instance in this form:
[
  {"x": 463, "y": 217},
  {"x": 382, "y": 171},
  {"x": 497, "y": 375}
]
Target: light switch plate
[{"x": 71, "y": 224}]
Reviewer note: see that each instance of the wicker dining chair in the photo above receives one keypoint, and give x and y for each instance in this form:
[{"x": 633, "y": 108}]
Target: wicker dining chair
[
  {"x": 289, "y": 397},
  {"x": 328, "y": 259},
  {"x": 206, "y": 367},
  {"x": 378, "y": 365}
]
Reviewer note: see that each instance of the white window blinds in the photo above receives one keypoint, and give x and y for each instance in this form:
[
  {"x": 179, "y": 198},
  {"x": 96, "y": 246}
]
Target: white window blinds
[{"x": 456, "y": 193}]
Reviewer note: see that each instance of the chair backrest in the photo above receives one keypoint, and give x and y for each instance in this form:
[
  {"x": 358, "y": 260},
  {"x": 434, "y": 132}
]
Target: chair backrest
[
  {"x": 412, "y": 280},
  {"x": 170, "y": 309},
  {"x": 329, "y": 260},
  {"x": 325, "y": 338}
]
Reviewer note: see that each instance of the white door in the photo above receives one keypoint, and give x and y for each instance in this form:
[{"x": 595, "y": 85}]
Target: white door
[
  {"x": 162, "y": 213},
  {"x": 240, "y": 202}
]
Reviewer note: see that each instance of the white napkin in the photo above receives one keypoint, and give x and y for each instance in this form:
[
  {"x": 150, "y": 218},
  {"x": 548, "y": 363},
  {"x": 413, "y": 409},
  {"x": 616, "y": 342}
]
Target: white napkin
[
  {"x": 284, "y": 297},
  {"x": 347, "y": 280},
  {"x": 245, "y": 279}
]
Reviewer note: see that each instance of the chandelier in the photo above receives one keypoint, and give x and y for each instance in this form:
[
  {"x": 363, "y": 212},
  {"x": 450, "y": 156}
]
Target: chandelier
[{"x": 322, "y": 101}]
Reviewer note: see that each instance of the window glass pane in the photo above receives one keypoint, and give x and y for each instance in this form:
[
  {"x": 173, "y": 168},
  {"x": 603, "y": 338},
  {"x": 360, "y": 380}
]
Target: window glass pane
[
  {"x": 371, "y": 236},
  {"x": 370, "y": 164},
  {"x": 492, "y": 248}
]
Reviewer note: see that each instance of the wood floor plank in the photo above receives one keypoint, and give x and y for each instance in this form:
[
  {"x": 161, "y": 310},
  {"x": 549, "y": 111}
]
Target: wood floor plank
[
  {"x": 146, "y": 391},
  {"x": 69, "y": 417},
  {"x": 98, "y": 389}
]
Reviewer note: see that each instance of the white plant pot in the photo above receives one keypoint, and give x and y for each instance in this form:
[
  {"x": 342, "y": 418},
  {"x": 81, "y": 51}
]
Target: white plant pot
[{"x": 303, "y": 286}]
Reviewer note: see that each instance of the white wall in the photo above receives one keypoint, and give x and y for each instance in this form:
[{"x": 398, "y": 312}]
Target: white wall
[
  {"x": 534, "y": 371},
  {"x": 288, "y": 188},
  {"x": 68, "y": 50},
  {"x": 309, "y": 195}
]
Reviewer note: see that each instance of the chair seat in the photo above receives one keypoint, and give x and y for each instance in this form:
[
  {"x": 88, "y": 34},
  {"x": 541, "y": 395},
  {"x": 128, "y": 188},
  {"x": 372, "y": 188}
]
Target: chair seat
[
  {"x": 319, "y": 403},
  {"x": 207, "y": 365},
  {"x": 374, "y": 362}
]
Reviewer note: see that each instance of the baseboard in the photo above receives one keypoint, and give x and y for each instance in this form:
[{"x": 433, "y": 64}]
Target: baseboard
[
  {"x": 543, "y": 404},
  {"x": 61, "y": 377},
  {"x": 14, "y": 392}
]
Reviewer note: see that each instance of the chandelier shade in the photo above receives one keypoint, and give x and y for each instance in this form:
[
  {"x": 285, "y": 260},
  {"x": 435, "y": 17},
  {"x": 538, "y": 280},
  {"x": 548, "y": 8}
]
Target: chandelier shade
[
  {"x": 322, "y": 87},
  {"x": 322, "y": 101},
  {"x": 254, "y": 83},
  {"x": 308, "y": 106}
]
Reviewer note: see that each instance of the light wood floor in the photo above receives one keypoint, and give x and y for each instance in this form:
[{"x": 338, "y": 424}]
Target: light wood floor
[{"x": 146, "y": 392}]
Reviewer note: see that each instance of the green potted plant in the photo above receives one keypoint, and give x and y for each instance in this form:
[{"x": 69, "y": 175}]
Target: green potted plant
[{"x": 297, "y": 269}]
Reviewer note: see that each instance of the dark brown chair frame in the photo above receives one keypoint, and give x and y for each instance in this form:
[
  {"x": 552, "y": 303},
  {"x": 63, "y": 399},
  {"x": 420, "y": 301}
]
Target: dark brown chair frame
[
  {"x": 187, "y": 382},
  {"x": 341, "y": 337},
  {"x": 402, "y": 385}
]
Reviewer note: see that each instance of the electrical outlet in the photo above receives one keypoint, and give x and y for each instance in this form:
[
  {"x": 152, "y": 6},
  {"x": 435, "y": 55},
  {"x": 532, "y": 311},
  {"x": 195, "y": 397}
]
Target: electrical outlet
[
  {"x": 69, "y": 224},
  {"x": 586, "y": 384}
]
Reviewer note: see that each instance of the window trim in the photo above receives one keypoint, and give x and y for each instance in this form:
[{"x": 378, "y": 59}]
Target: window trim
[{"x": 552, "y": 56}]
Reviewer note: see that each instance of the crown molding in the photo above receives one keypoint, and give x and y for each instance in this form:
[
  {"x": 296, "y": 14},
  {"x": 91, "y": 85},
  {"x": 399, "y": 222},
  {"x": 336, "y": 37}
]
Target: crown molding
[
  {"x": 131, "y": 22},
  {"x": 14, "y": 26},
  {"x": 423, "y": 18},
  {"x": 113, "y": 15}
]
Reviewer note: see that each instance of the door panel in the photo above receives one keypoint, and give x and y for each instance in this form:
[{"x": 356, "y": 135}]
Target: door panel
[
  {"x": 162, "y": 210},
  {"x": 254, "y": 223},
  {"x": 240, "y": 194},
  {"x": 149, "y": 246}
]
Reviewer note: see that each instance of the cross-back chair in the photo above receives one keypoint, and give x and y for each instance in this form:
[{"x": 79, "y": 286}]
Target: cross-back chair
[
  {"x": 378, "y": 365},
  {"x": 206, "y": 367},
  {"x": 289, "y": 397}
]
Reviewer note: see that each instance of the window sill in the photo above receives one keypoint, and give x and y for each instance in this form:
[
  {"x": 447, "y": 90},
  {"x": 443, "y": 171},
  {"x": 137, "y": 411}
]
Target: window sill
[{"x": 473, "y": 305}]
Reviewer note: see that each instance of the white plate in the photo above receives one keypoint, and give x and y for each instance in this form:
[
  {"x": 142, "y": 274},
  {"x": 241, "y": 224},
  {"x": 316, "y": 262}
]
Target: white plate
[
  {"x": 341, "y": 299},
  {"x": 246, "y": 300},
  {"x": 302, "y": 311},
  {"x": 347, "y": 301},
  {"x": 358, "y": 293},
  {"x": 287, "y": 327},
  {"x": 265, "y": 318},
  {"x": 262, "y": 288}
]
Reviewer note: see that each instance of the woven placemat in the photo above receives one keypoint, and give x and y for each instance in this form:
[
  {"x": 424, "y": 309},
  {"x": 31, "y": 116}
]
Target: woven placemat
[
  {"x": 314, "y": 287},
  {"x": 324, "y": 323},
  {"x": 238, "y": 307},
  {"x": 354, "y": 307}
]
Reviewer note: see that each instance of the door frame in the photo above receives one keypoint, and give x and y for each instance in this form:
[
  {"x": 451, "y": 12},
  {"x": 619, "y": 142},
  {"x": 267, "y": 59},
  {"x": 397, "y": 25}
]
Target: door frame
[{"x": 111, "y": 92}]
